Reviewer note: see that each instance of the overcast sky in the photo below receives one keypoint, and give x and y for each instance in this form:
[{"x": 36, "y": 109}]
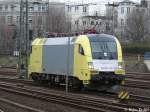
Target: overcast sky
[
  {"x": 97, "y": 1},
  {"x": 84, "y": 1}
]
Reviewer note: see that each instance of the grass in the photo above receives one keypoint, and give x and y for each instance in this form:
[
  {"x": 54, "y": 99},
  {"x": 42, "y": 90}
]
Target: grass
[
  {"x": 135, "y": 64},
  {"x": 8, "y": 61}
]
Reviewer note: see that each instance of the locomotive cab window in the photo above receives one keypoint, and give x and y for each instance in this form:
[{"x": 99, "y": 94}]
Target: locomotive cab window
[
  {"x": 81, "y": 51},
  {"x": 104, "y": 48}
]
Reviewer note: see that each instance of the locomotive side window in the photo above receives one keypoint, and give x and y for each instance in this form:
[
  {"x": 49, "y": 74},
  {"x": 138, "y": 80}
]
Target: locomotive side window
[{"x": 81, "y": 51}]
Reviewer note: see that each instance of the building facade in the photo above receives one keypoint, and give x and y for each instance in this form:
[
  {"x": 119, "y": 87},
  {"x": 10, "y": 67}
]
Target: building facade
[
  {"x": 10, "y": 21},
  {"x": 119, "y": 13},
  {"x": 86, "y": 16},
  {"x": 10, "y": 12},
  {"x": 112, "y": 14},
  {"x": 41, "y": 15}
]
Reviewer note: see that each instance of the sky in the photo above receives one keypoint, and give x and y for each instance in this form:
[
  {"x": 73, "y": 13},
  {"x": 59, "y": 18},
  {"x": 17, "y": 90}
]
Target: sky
[{"x": 85, "y": 1}]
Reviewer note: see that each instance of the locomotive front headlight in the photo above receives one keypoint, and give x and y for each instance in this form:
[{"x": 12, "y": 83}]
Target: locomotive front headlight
[
  {"x": 90, "y": 65},
  {"x": 120, "y": 65}
]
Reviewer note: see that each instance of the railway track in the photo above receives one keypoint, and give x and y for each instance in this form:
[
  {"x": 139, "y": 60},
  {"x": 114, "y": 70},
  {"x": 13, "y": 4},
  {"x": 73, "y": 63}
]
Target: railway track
[
  {"x": 137, "y": 84},
  {"x": 138, "y": 73},
  {"x": 130, "y": 82},
  {"x": 85, "y": 103},
  {"x": 138, "y": 98},
  {"x": 8, "y": 71},
  {"x": 18, "y": 105},
  {"x": 138, "y": 80},
  {"x": 133, "y": 79},
  {"x": 135, "y": 75},
  {"x": 100, "y": 99},
  {"x": 138, "y": 77}
]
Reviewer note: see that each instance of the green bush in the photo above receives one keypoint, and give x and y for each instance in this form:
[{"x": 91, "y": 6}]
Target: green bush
[{"x": 136, "y": 48}]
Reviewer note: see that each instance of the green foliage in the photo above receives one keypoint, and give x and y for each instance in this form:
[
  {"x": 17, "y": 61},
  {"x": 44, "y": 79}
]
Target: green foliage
[
  {"x": 136, "y": 48},
  {"x": 8, "y": 61}
]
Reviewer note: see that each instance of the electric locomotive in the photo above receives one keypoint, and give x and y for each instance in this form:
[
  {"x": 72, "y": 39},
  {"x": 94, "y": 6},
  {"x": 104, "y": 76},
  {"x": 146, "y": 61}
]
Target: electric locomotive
[{"x": 90, "y": 61}]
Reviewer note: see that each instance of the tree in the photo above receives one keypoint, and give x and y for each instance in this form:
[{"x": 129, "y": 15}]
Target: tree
[
  {"x": 57, "y": 20},
  {"x": 6, "y": 37},
  {"x": 53, "y": 20},
  {"x": 137, "y": 28}
]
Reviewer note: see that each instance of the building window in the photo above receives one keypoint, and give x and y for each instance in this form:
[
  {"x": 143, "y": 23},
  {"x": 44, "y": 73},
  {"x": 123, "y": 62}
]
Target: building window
[
  {"x": 9, "y": 19},
  {"x": 84, "y": 9},
  {"x": 77, "y": 22},
  {"x": 96, "y": 14},
  {"x": 4, "y": 19},
  {"x": 127, "y": 22},
  {"x": 1, "y": 8},
  {"x": 31, "y": 9},
  {"x": 122, "y": 10},
  {"x": 12, "y": 7},
  {"x": 84, "y": 23},
  {"x": 69, "y": 9},
  {"x": 76, "y": 8},
  {"x": 122, "y": 22},
  {"x": 122, "y": 3},
  {"x": 137, "y": 10},
  {"x": 107, "y": 27},
  {"x": 39, "y": 8},
  {"x": 92, "y": 22},
  {"x": 96, "y": 22},
  {"x": 40, "y": 20},
  {"x": 143, "y": 10},
  {"x": 128, "y": 3},
  {"x": 122, "y": 34},
  {"x": 43, "y": 8},
  {"x": 128, "y": 9},
  {"x": 100, "y": 23},
  {"x": 6, "y": 7},
  {"x": 18, "y": 19},
  {"x": 30, "y": 19}
]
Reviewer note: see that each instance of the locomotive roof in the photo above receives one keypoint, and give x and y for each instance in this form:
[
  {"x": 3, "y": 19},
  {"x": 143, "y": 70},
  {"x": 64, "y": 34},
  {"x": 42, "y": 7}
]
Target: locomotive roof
[
  {"x": 57, "y": 41},
  {"x": 101, "y": 37},
  {"x": 64, "y": 40},
  {"x": 53, "y": 41}
]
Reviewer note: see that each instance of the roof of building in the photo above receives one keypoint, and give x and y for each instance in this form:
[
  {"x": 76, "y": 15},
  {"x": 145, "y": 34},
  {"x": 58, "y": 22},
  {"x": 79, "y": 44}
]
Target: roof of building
[
  {"x": 96, "y": 17},
  {"x": 18, "y": 1},
  {"x": 79, "y": 4},
  {"x": 114, "y": 4},
  {"x": 127, "y": 1},
  {"x": 8, "y": 2}
]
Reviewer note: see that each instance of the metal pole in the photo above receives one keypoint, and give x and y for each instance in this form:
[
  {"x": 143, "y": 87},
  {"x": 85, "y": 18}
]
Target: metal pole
[
  {"x": 27, "y": 39},
  {"x": 47, "y": 18},
  {"x": 68, "y": 65},
  {"x": 20, "y": 40},
  {"x": 113, "y": 22}
]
